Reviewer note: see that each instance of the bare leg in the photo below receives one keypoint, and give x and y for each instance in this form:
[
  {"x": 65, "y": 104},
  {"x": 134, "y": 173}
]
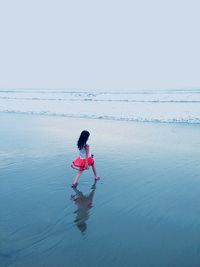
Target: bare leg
[
  {"x": 77, "y": 177},
  {"x": 95, "y": 172}
]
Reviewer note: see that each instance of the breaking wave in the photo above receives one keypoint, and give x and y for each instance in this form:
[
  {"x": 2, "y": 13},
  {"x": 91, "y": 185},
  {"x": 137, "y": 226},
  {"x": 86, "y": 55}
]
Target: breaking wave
[{"x": 169, "y": 106}]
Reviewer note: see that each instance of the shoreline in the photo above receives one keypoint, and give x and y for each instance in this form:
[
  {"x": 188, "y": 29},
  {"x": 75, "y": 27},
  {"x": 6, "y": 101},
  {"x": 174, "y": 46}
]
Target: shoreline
[
  {"x": 153, "y": 107},
  {"x": 155, "y": 121}
]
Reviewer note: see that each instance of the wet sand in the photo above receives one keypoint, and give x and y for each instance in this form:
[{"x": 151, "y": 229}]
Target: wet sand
[{"x": 143, "y": 212}]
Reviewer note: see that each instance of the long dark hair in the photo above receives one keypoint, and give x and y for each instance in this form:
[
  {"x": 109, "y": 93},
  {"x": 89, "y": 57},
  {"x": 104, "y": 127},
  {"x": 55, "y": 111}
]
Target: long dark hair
[{"x": 83, "y": 139}]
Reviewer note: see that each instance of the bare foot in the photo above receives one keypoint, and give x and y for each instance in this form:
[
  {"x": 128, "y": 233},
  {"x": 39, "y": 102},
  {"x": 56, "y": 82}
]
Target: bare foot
[
  {"x": 97, "y": 178},
  {"x": 74, "y": 185}
]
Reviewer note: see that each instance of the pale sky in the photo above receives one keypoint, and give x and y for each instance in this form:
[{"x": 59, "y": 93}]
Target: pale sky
[{"x": 101, "y": 44}]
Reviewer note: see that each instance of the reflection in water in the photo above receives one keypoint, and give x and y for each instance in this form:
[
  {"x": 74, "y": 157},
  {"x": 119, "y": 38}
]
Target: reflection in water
[{"x": 84, "y": 203}]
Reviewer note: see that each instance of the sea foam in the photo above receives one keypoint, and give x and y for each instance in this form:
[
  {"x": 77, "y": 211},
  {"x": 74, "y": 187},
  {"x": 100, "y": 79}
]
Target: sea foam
[{"x": 145, "y": 106}]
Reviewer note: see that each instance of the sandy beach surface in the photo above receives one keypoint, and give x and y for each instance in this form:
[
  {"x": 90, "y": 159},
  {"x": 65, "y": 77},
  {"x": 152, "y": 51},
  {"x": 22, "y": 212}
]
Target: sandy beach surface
[{"x": 143, "y": 212}]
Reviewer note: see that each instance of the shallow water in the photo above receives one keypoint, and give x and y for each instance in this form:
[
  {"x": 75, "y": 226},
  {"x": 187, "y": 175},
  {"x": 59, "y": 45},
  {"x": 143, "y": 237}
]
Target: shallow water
[{"x": 143, "y": 212}]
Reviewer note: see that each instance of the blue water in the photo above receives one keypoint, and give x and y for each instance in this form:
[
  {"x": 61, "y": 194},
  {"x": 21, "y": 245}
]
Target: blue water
[{"x": 143, "y": 212}]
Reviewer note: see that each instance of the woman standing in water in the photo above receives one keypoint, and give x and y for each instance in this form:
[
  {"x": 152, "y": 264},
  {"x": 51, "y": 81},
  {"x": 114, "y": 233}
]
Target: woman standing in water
[{"x": 84, "y": 160}]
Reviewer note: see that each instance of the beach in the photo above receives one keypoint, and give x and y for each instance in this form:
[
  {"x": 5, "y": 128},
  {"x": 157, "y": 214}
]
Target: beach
[
  {"x": 126, "y": 74},
  {"x": 144, "y": 211}
]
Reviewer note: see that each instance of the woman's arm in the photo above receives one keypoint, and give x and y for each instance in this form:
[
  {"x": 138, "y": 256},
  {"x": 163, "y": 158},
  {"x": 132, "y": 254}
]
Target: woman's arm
[{"x": 87, "y": 153}]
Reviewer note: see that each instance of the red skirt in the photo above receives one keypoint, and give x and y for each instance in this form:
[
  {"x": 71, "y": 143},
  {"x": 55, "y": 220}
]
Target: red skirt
[{"x": 79, "y": 163}]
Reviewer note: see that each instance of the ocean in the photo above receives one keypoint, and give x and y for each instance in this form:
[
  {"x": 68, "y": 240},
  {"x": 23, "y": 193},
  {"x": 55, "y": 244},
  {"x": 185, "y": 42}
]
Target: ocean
[
  {"x": 182, "y": 106},
  {"x": 144, "y": 210}
]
